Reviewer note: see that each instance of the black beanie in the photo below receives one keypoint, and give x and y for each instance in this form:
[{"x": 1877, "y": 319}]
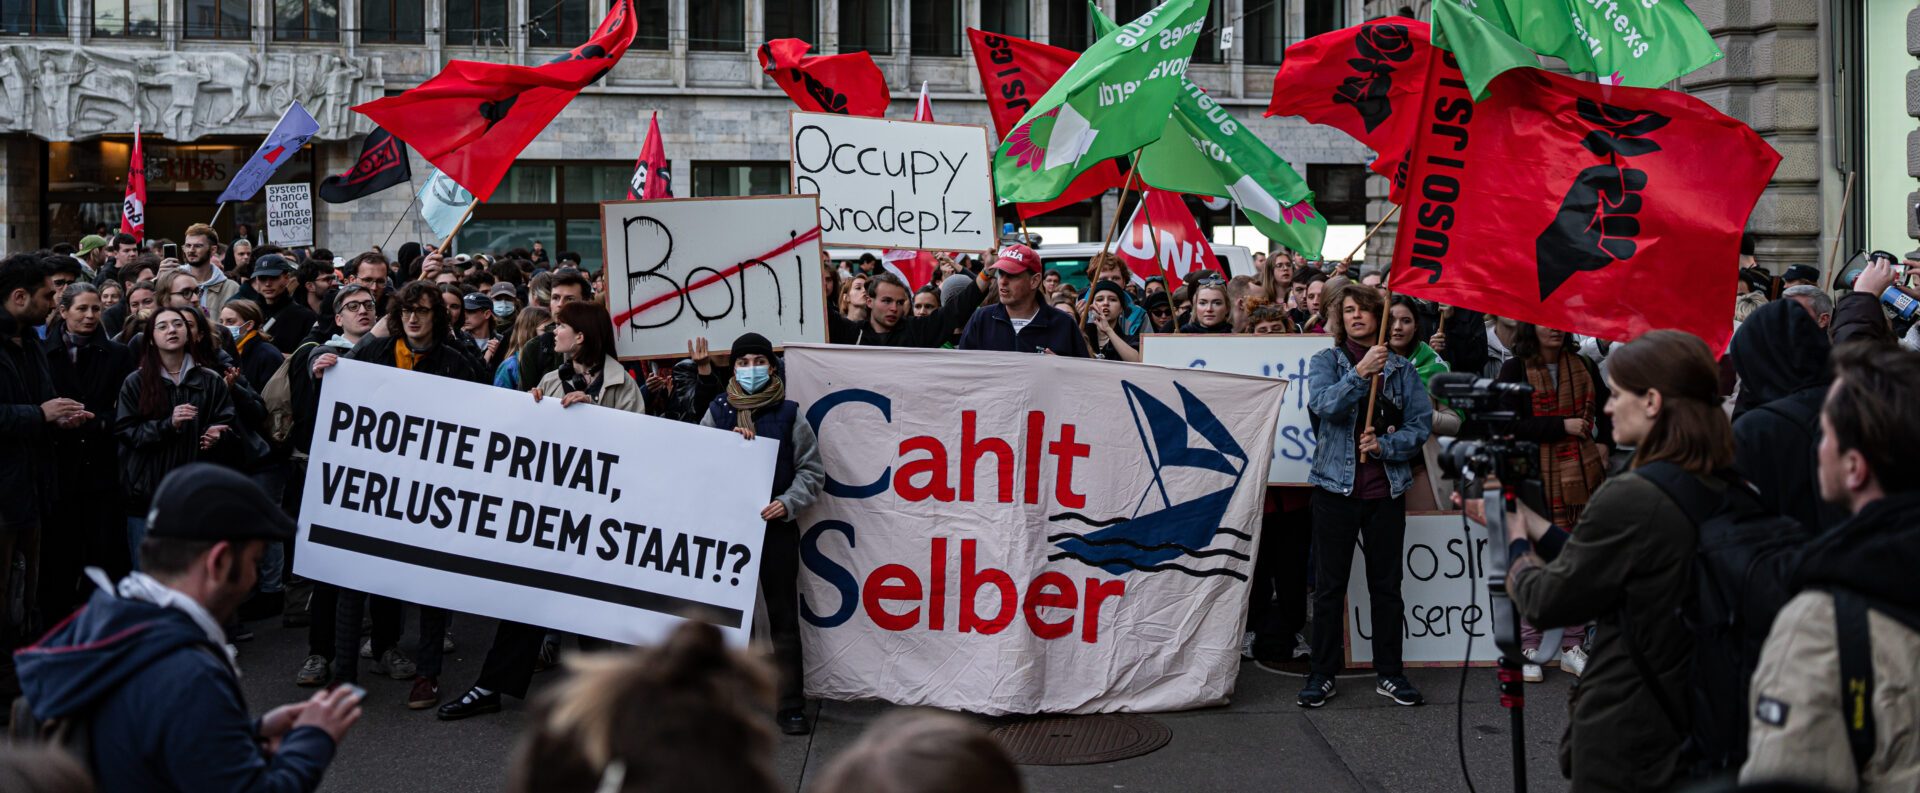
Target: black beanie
[{"x": 749, "y": 343}]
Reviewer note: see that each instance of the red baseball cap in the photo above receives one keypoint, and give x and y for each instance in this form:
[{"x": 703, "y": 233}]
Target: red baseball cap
[{"x": 1017, "y": 259}]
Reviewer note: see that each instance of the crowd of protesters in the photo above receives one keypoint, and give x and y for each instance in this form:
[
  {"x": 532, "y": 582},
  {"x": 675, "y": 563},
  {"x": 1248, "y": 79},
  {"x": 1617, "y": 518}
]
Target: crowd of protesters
[{"x": 160, "y": 406}]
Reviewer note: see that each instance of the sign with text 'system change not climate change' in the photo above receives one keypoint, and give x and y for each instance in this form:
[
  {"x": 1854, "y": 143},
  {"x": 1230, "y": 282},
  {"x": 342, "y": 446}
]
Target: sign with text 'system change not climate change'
[
  {"x": 479, "y": 500},
  {"x": 886, "y": 183},
  {"x": 290, "y": 214}
]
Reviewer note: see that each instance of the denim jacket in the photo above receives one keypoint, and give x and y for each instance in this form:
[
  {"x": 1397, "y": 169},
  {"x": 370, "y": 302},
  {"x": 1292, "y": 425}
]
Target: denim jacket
[{"x": 1337, "y": 398}]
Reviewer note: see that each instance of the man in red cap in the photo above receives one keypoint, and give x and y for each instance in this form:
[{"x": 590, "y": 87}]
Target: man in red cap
[{"x": 1020, "y": 322}]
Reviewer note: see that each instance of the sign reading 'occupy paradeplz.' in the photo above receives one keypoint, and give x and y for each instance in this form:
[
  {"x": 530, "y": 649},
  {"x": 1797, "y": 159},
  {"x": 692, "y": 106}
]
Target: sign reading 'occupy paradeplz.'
[
  {"x": 1012, "y": 533},
  {"x": 894, "y": 184},
  {"x": 479, "y": 500}
]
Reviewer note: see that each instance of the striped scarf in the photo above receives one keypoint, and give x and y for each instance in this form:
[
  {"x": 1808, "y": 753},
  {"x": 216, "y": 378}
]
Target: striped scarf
[
  {"x": 1571, "y": 468},
  {"x": 744, "y": 404}
]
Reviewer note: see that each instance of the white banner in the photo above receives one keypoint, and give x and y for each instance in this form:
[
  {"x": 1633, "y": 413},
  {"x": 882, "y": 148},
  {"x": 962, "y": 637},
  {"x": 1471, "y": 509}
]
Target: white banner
[
  {"x": 1444, "y": 584},
  {"x": 886, "y": 183},
  {"x": 290, "y": 214},
  {"x": 712, "y": 267},
  {"x": 1284, "y": 357},
  {"x": 478, "y": 500},
  {"x": 1007, "y": 533}
]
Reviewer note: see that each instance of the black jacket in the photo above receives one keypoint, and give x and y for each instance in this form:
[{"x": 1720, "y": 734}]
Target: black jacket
[
  {"x": 1874, "y": 553},
  {"x": 287, "y": 321},
  {"x": 151, "y": 446},
  {"x": 1781, "y": 356},
  {"x": 26, "y": 480},
  {"x": 931, "y": 330},
  {"x": 114, "y": 318},
  {"x": 1051, "y": 329},
  {"x": 1857, "y": 316},
  {"x": 88, "y": 456},
  {"x": 448, "y": 358}
]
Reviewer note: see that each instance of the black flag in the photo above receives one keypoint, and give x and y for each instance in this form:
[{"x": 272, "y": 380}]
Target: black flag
[{"x": 382, "y": 164}]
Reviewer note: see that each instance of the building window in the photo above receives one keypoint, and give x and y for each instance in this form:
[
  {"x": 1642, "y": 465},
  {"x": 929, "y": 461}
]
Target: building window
[
  {"x": 1004, "y": 16},
  {"x": 865, "y": 25},
  {"x": 1266, "y": 42},
  {"x": 306, "y": 20},
  {"x": 1069, "y": 26},
  {"x": 126, "y": 17},
  {"x": 1339, "y": 192},
  {"x": 482, "y": 22},
  {"x": 652, "y": 17},
  {"x": 553, "y": 204},
  {"x": 738, "y": 179},
  {"x": 218, "y": 19},
  {"x": 1325, "y": 16},
  {"x": 33, "y": 17},
  {"x": 936, "y": 28},
  {"x": 717, "y": 25},
  {"x": 797, "y": 19},
  {"x": 562, "y": 23},
  {"x": 392, "y": 21}
]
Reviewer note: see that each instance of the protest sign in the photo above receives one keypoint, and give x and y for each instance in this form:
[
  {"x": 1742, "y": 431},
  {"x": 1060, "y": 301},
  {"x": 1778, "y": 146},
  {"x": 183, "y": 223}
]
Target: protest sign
[
  {"x": 1284, "y": 356},
  {"x": 885, "y": 183},
  {"x": 1444, "y": 585},
  {"x": 290, "y": 214},
  {"x": 1013, "y": 533},
  {"x": 713, "y": 267},
  {"x": 481, "y": 501}
]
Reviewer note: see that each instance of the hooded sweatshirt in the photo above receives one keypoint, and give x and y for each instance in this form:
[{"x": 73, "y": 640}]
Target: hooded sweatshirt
[
  {"x": 1780, "y": 353},
  {"x": 167, "y": 709},
  {"x": 216, "y": 291}
]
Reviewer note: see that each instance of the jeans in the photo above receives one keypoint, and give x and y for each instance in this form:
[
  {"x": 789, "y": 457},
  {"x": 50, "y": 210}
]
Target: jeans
[
  {"x": 272, "y": 566},
  {"x": 1337, "y": 522},
  {"x": 136, "y": 531}
]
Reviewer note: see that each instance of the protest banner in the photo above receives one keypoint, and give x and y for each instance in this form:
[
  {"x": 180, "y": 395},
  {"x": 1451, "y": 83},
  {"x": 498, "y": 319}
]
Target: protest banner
[
  {"x": 1089, "y": 554},
  {"x": 1283, "y": 356},
  {"x": 1444, "y": 585},
  {"x": 886, "y": 183},
  {"x": 290, "y": 214},
  {"x": 482, "y": 501},
  {"x": 713, "y": 267}
]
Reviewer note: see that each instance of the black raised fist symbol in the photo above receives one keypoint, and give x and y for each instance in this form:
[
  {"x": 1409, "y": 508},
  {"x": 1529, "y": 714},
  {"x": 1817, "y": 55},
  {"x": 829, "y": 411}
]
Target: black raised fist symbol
[
  {"x": 1368, "y": 92},
  {"x": 1594, "y": 228},
  {"x": 1619, "y": 129},
  {"x": 496, "y": 110},
  {"x": 830, "y": 100}
]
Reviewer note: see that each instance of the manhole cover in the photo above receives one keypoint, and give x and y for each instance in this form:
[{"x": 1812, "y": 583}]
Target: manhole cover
[{"x": 1080, "y": 740}]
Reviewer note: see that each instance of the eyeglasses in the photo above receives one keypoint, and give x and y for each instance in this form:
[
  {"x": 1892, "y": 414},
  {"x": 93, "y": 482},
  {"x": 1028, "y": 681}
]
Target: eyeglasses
[
  {"x": 415, "y": 311},
  {"x": 191, "y": 291},
  {"x": 356, "y": 306}
]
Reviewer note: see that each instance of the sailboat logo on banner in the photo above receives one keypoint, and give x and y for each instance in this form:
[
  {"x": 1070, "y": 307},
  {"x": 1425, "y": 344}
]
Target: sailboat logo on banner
[{"x": 1190, "y": 453}]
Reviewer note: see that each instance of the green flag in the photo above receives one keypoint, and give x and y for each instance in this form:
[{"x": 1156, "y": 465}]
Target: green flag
[
  {"x": 1639, "y": 43},
  {"x": 1206, "y": 151},
  {"x": 1113, "y": 101}
]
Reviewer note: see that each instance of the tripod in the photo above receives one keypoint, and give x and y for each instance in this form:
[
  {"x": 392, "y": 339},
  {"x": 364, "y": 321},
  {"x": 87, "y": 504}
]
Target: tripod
[{"x": 1506, "y": 625}]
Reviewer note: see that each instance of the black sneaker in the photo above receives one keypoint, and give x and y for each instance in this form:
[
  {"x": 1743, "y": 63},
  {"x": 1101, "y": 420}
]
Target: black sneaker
[
  {"x": 472, "y": 703},
  {"x": 794, "y": 721},
  {"x": 1319, "y": 689},
  {"x": 1400, "y": 690}
]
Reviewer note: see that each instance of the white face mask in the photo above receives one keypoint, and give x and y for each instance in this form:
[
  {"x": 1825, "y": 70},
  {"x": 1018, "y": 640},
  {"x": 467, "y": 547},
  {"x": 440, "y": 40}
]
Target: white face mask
[{"x": 236, "y": 331}]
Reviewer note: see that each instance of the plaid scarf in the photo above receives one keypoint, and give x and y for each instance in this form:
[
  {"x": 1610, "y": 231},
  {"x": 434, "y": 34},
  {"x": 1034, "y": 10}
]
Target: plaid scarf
[
  {"x": 744, "y": 404},
  {"x": 1571, "y": 468}
]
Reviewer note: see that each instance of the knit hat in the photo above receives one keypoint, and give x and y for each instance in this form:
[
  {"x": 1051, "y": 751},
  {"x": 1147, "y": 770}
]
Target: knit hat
[
  {"x": 750, "y": 344},
  {"x": 951, "y": 289}
]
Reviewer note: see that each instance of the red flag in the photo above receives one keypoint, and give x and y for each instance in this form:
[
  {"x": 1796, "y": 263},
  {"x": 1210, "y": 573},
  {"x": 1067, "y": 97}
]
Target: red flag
[
  {"x": 1015, "y": 72},
  {"x": 1162, "y": 238},
  {"x": 133, "y": 209},
  {"x": 1593, "y": 209},
  {"x": 848, "y": 84},
  {"x": 1365, "y": 81},
  {"x": 472, "y": 119},
  {"x": 650, "y": 176}
]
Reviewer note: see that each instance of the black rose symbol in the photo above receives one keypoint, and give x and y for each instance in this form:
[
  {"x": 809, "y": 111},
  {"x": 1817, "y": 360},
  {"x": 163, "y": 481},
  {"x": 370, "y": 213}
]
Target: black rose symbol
[
  {"x": 1382, "y": 41},
  {"x": 1619, "y": 130}
]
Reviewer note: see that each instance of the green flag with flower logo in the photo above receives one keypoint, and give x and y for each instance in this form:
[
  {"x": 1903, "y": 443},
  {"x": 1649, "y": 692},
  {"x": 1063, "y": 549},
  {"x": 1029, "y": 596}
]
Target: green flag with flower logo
[
  {"x": 1639, "y": 43},
  {"x": 1114, "y": 100}
]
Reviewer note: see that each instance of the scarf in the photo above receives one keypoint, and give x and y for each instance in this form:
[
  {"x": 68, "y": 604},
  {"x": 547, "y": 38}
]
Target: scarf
[
  {"x": 744, "y": 403},
  {"x": 241, "y": 345},
  {"x": 147, "y": 589},
  {"x": 403, "y": 356},
  {"x": 574, "y": 380},
  {"x": 1571, "y": 468}
]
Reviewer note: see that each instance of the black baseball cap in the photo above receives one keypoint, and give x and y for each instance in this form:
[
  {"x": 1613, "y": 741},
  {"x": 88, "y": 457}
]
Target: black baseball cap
[
  {"x": 272, "y": 265},
  {"x": 1801, "y": 272},
  {"x": 474, "y": 301},
  {"x": 213, "y": 503}
]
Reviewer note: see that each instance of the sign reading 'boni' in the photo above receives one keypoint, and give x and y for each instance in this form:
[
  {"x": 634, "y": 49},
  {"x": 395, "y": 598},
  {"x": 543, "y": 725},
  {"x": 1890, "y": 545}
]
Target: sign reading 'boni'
[{"x": 885, "y": 183}]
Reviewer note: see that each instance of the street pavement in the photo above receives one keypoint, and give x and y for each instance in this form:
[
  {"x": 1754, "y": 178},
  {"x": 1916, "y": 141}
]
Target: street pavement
[{"x": 1259, "y": 742}]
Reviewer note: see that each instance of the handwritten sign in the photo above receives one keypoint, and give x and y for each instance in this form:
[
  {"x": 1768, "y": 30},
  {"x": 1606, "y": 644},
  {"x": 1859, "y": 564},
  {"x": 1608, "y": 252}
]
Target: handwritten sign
[
  {"x": 290, "y": 214},
  {"x": 1443, "y": 582},
  {"x": 1284, "y": 357},
  {"x": 885, "y": 183},
  {"x": 712, "y": 267}
]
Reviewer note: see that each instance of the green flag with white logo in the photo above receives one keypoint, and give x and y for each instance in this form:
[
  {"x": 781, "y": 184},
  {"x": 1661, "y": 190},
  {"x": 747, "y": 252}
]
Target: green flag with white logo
[
  {"x": 1114, "y": 100},
  {"x": 1205, "y": 150},
  {"x": 1639, "y": 43}
]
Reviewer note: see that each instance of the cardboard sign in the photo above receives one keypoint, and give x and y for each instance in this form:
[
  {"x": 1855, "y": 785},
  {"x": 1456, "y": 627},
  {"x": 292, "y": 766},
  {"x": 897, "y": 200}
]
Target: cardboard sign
[
  {"x": 1284, "y": 357},
  {"x": 290, "y": 214},
  {"x": 1443, "y": 582},
  {"x": 1015, "y": 533},
  {"x": 885, "y": 183},
  {"x": 712, "y": 267},
  {"x": 479, "y": 500}
]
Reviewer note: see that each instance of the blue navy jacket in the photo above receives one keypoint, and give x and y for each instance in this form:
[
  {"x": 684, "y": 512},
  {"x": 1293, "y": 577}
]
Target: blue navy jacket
[
  {"x": 1337, "y": 398},
  {"x": 1051, "y": 329}
]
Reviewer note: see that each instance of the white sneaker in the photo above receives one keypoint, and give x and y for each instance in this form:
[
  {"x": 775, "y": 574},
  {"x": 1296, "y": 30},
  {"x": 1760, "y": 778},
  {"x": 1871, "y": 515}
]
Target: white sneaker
[
  {"x": 366, "y": 648},
  {"x": 1246, "y": 646},
  {"x": 1532, "y": 673},
  {"x": 1573, "y": 660},
  {"x": 1301, "y": 648}
]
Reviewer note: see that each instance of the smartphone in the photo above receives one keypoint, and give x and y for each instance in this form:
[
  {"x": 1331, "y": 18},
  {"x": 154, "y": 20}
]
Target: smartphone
[
  {"x": 358, "y": 692},
  {"x": 169, "y": 251}
]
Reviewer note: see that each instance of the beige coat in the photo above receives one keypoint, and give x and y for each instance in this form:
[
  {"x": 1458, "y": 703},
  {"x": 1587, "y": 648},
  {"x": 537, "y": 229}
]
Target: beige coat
[
  {"x": 1800, "y": 668},
  {"x": 620, "y": 391}
]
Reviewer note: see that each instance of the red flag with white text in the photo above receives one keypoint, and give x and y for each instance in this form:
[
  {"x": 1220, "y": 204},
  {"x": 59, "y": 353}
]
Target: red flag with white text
[
  {"x": 1162, "y": 238},
  {"x": 133, "y": 208},
  {"x": 650, "y": 176},
  {"x": 849, "y": 83},
  {"x": 1015, "y": 72},
  {"x": 1366, "y": 81}
]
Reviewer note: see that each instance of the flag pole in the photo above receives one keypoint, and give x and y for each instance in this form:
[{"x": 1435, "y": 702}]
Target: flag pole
[
  {"x": 1121, "y": 204},
  {"x": 216, "y": 213},
  {"x": 1845, "y": 199},
  {"x": 1373, "y": 391},
  {"x": 456, "y": 228},
  {"x": 1375, "y": 230},
  {"x": 401, "y": 219}
]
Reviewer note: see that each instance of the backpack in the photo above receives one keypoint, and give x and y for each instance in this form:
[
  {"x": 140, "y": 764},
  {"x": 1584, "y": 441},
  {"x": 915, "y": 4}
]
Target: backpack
[
  {"x": 1853, "y": 635},
  {"x": 1741, "y": 574},
  {"x": 278, "y": 394}
]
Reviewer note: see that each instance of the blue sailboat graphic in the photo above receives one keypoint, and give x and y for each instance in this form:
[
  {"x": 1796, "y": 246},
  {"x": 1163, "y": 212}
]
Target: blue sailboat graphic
[{"x": 1159, "y": 539}]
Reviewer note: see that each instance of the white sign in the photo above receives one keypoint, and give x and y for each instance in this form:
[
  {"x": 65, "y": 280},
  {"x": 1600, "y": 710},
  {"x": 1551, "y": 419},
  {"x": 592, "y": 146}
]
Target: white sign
[
  {"x": 1443, "y": 582},
  {"x": 712, "y": 267},
  {"x": 1014, "y": 533},
  {"x": 885, "y": 183},
  {"x": 1285, "y": 357},
  {"x": 290, "y": 214},
  {"x": 479, "y": 500}
]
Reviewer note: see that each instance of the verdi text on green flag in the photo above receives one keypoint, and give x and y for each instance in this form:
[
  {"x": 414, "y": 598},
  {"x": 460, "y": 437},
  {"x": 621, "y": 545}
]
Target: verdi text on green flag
[
  {"x": 1114, "y": 100},
  {"x": 1639, "y": 43}
]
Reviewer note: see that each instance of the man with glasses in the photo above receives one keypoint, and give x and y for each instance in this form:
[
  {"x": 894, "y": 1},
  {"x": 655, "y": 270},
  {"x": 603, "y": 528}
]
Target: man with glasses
[
  {"x": 371, "y": 270},
  {"x": 198, "y": 252}
]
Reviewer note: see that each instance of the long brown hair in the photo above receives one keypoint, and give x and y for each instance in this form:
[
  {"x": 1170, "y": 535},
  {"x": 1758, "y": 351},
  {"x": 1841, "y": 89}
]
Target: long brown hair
[
  {"x": 154, "y": 402},
  {"x": 1691, "y": 431}
]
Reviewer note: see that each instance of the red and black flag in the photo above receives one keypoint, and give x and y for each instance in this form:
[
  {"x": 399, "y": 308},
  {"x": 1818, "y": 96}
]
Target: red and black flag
[
  {"x": 1365, "y": 81},
  {"x": 651, "y": 179},
  {"x": 1599, "y": 210},
  {"x": 472, "y": 119},
  {"x": 1015, "y": 72},
  {"x": 382, "y": 164},
  {"x": 849, "y": 83}
]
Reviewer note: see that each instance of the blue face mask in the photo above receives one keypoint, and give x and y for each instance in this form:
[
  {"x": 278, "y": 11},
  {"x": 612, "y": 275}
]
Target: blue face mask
[
  {"x": 233, "y": 331},
  {"x": 752, "y": 378},
  {"x": 503, "y": 308}
]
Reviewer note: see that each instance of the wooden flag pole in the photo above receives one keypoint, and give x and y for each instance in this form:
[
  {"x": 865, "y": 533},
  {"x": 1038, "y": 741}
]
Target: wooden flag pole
[
  {"x": 1833, "y": 255},
  {"x": 1380, "y": 333},
  {"x": 456, "y": 228},
  {"x": 1370, "y": 232},
  {"x": 1122, "y": 203}
]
